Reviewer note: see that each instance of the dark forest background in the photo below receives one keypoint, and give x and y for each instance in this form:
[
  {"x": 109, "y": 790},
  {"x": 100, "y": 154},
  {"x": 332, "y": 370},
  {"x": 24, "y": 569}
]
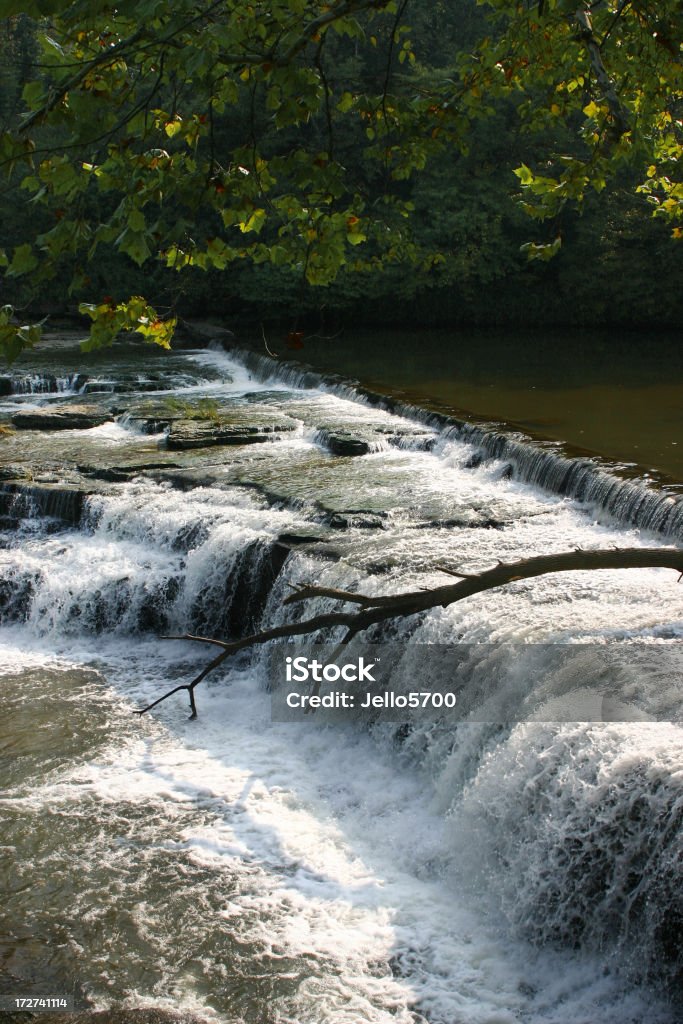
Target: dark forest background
[{"x": 617, "y": 265}]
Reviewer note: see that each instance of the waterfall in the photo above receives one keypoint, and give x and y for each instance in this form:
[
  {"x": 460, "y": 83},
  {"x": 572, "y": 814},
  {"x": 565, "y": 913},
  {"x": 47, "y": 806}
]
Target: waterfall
[
  {"x": 628, "y": 502},
  {"x": 503, "y": 867},
  {"x": 42, "y": 384}
]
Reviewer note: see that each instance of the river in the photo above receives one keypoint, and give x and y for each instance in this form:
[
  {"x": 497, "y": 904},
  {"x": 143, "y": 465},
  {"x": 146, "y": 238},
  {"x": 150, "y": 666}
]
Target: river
[
  {"x": 615, "y": 395},
  {"x": 249, "y": 870}
]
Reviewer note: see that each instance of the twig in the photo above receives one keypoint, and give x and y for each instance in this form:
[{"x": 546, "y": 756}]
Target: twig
[{"x": 379, "y": 609}]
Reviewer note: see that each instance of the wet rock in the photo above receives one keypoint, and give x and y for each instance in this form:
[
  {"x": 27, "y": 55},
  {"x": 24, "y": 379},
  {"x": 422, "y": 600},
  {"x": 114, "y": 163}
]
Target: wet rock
[
  {"x": 55, "y": 501},
  {"x": 186, "y": 434},
  {"x": 191, "y": 535},
  {"x": 35, "y": 384},
  {"x": 70, "y": 417},
  {"x": 340, "y": 441},
  {"x": 5, "y": 385},
  {"x": 153, "y": 612},
  {"x": 148, "y": 417},
  {"x": 475, "y": 460},
  {"x": 343, "y": 442},
  {"x": 15, "y": 598},
  {"x": 296, "y": 539},
  {"x": 100, "y": 387},
  {"x": 413, "y": 439},
  {"x": 14, "y": 473},
  {"x": 415, "y": 442},
  {"x": 145, "y": 425},
  {"x": 234, "y": 606},
  {"x": 357, "y": 520},
  {"x": 121, "y": 474}
]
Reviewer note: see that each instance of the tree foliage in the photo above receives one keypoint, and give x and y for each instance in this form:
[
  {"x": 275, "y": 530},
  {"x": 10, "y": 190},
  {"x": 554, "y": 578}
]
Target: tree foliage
[
  {"x": 314, "y": 140},
  {"x": 612, "y": 73}
]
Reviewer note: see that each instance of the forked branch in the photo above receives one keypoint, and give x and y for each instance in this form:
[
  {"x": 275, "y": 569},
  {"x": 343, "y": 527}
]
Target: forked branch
[{"x": 374, "y": 609}]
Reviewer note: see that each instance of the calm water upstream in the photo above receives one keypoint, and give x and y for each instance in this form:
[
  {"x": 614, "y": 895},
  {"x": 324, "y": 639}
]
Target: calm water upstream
[
  {"x": 254, "y": 871},
  {"x": 617, "y": 394}
]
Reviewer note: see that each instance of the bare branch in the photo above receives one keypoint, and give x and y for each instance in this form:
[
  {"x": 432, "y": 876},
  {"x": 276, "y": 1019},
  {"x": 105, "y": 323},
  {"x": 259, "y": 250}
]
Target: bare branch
[
  {"x": 199, "y": 639},
  {"x": 55, "y": 97},
  {"x": 616, "y": 108},
  {"x": 332, "y": 14},
  {"x": 379, "y": 609},
  {"x": 452, "y": 572},
  {"x": 307, "y": 591},
  {"x": 273, "y": 355}
]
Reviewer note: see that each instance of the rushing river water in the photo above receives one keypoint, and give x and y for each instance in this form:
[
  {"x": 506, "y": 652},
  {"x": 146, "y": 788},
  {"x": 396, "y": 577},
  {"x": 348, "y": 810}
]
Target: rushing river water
[{"x": 299, "y": 873}]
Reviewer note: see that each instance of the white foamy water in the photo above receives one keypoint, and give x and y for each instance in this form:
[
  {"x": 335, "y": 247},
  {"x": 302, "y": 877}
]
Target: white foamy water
[{"x": 312, "y": 874}]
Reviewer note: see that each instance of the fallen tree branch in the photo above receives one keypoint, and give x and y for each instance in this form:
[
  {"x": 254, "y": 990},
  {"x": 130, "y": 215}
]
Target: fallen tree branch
[
  {"x": 306, "y": 591},
  {"x": 379, "y": 608}
]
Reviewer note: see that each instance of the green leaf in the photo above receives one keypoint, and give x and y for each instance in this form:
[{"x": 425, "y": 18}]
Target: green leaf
[
  {"x": 33, "y": 94},
  {"x": 136, "y": 220},
  {"x": 23, "y": 261},
  {"x": 172, "y": 128},
  {"x": 525, "y": 174},
  {"x": 345, "y": 103},
  {"x": 254, "y": 223},
  {"x": 134, "y": 244},
  {"x": 544, "y": 251}
]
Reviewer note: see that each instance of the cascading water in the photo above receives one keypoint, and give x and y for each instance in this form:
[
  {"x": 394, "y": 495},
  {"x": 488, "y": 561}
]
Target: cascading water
[{"x": 248, "y": 870}]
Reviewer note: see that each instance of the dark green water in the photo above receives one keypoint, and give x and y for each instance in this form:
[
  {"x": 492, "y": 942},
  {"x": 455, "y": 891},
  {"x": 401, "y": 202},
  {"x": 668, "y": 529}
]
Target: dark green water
[{"x": 617, "y": 394}]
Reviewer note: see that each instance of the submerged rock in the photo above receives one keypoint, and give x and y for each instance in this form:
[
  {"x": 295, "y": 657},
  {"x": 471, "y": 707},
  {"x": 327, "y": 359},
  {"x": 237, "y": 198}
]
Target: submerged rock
[
  {"x": 297, "y": 539},
  {"x": 122, "y": 384},
  {"x": 199, "y": 332},
  {"x": 184, "y": 479},
  {"x": 71, "y": 417}
]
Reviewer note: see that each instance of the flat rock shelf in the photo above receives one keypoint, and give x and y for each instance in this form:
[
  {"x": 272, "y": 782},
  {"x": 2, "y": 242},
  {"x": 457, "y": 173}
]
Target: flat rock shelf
[{"x": 518, "y": 865}]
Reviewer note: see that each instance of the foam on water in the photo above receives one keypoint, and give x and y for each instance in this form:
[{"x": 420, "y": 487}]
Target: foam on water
[
  {"x": 615, "y": 498},
  {"x": 250, "y": 870},
  {"x": 316, "y": 851}
]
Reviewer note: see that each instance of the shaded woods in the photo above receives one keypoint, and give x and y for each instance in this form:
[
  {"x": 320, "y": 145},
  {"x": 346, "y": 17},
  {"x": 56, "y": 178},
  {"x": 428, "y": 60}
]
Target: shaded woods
[{"x": 377, "y": 168}]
